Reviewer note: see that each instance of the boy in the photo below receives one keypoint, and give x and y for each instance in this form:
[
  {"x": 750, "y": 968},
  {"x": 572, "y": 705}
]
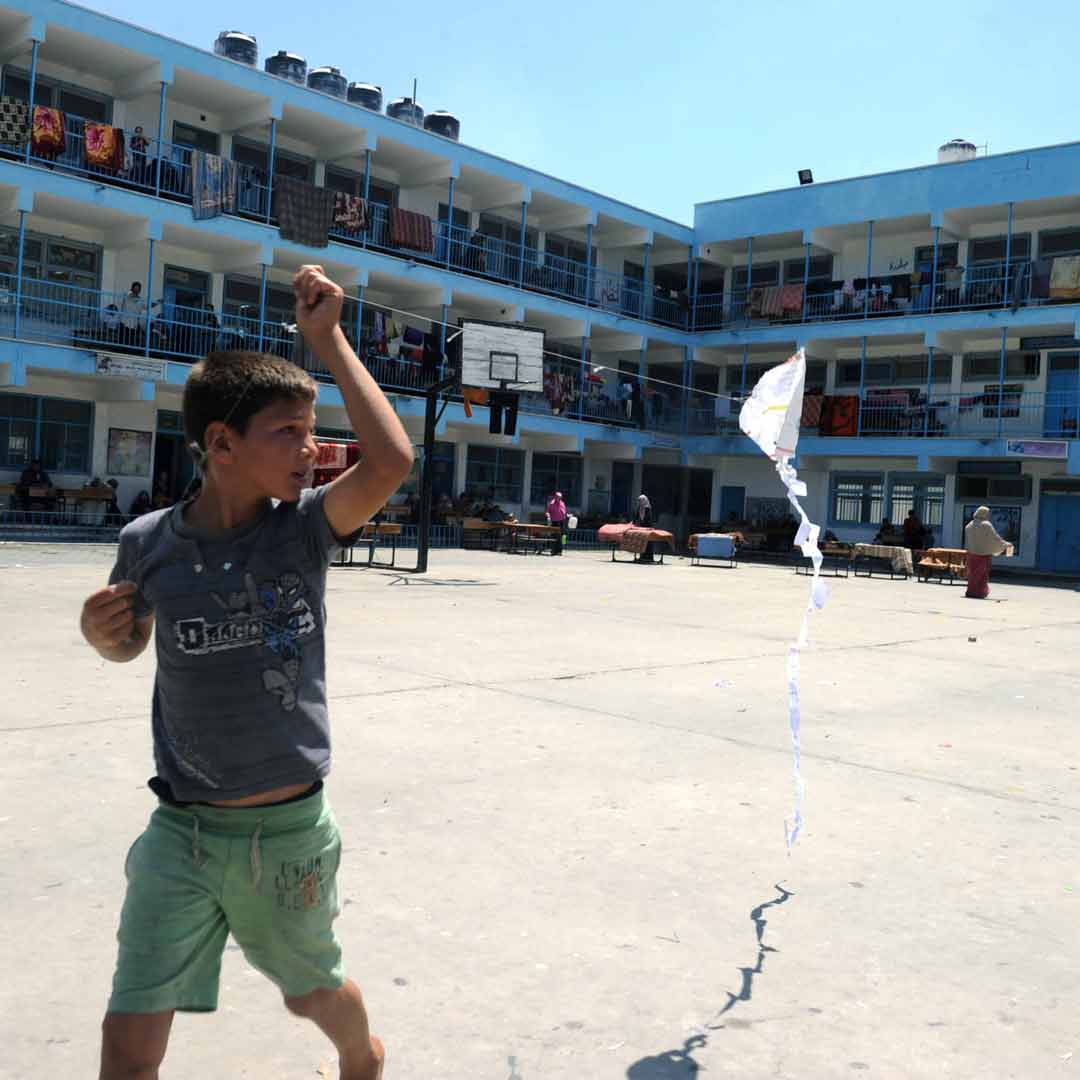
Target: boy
[{"x": 243, "y": 839}]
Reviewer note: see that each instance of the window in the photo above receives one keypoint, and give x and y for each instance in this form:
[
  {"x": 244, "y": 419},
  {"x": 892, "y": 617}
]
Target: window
[
  {"x": 285, "y": 163},
  {"x": 242, "y": 298},
  {"x": 461, "y": 217},
  {"x": 509, "y": 232},
  {"x": 56, "y": 273},
  {"x": 170, "y": 421},
  {"x": 567, "y": 249},
  {"x": 381, "y": 192},
  {"x": 924, "y": 495},
  {"x": 1059, "y": 242},
  {"x": 815, "y": 375},
  {"x": 991, "y": 249},
  {"x": 196, "y": 139},
  {"x": 821, "y": 269},
  {"x": 73, "y": 100},
  {"x": 495, "y": 471},
  {"x": 1018, "y": 365},
  {"x": 894, "y": 371},
  {"x": 857, "y": 500},
  {"x": 948, "y": 255},
  {"x": 765, "y": 274},
  {"x": 556, "y": 472},
  {"x": 57, "y": 430}
]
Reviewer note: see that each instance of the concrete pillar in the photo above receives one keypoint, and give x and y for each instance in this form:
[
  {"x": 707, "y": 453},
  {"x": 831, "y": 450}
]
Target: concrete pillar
[
  {"x": 526, "y": 483},
  {"x": 461, "y": 453}
]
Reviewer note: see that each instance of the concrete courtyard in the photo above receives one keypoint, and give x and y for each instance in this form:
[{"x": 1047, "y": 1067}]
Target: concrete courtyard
[{"x": 562, "y": 786}]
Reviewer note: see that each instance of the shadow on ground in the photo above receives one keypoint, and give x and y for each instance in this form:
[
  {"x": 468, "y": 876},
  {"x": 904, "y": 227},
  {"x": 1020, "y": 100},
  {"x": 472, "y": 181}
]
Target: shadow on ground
[{"x": 680, "y": 1064}]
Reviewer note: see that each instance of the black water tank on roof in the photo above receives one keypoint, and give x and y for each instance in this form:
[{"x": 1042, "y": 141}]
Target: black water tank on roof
[
  {"x": 405, "y": 109},
  {"x": 237, "y": 46},
  {"x": 287, "y": 65},
  {"x": 367, "y": 94},
  {"x": 329, "y": 80},
  {"x": 443, "y": 123}
]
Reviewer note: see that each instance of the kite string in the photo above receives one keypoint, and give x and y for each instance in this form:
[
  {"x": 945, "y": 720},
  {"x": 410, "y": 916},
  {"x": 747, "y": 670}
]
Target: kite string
[
  {"x": 807, "y": 539},
  {"x": 581, "y": 362}
]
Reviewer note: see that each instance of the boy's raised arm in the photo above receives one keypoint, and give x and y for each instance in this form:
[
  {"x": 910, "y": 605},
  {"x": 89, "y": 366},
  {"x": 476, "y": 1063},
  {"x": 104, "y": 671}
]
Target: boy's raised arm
[{"x": 385, "y": 449}]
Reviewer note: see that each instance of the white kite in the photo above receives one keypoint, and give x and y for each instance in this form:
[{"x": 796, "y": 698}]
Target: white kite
[{"x": 771, "y": 417}]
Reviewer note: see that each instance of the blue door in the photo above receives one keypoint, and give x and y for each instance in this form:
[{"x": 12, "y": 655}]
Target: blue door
[
  {"x": 1059, "y": 532},
  {"x": 1062, "y": 413},
  {"x": 732, "y": 502}
]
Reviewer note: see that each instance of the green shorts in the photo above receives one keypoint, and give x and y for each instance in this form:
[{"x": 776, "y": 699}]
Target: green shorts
[{"x": 265, "y": 874}]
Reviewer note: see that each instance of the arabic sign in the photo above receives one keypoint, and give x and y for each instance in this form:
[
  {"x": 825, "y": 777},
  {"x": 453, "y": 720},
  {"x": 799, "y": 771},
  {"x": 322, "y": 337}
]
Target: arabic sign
[
  {"x": 131, "y": 367},
  {"x": 1037, "y": 448}
]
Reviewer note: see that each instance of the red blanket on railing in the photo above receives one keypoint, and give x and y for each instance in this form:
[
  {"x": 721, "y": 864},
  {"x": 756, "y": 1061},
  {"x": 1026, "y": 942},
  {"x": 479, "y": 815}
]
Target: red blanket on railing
[
  {"x": 104, "y": 147},
  {"x": 411, "y": 230},
  {"x": 48, "y": 136},
  {"x": 632, "y": 538}
]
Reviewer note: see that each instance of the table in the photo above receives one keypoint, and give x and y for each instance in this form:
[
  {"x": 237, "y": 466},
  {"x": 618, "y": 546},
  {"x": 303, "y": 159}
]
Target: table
[
  {"x": 866, "y": 556},
  {"x": 944, "y": 564},
  {"x": 635, "y": 540},
  {"x": 371, "y": 535},
  {"x": 526, "y": 538}
]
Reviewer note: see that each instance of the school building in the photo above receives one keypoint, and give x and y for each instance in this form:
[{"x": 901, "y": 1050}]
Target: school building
[{"x": 938, "y": 305}]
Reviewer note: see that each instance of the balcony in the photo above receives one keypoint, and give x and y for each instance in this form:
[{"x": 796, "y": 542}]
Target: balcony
[
  {"x": 984, "y": 286},
  {"x": 165, "y": 170}
]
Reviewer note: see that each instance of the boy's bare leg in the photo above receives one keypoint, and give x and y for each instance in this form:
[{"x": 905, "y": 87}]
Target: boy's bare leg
[
  {"x": 133, "y": 1045},
  {"x": 343, "y": 1019}
]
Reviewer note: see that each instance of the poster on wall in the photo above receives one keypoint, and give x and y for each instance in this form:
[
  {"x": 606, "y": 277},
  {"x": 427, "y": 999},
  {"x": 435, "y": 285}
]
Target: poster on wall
[
  {"x": 129, "y": 452},
  {"x": 1006, "y": 519},
  {"x": 1053, "y": 449}
]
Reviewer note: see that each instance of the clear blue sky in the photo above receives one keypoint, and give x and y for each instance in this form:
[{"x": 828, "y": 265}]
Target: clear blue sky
[{"x": 667, "y": 104}]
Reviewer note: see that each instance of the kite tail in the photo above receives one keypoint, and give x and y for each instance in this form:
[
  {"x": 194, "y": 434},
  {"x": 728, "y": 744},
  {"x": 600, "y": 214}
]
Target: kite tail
[{"x": 807, "y": 539}]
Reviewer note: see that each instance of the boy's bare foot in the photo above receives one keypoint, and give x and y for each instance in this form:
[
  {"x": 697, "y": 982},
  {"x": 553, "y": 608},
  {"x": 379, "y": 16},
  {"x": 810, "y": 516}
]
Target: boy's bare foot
[{"x": 369, "y": 1069}]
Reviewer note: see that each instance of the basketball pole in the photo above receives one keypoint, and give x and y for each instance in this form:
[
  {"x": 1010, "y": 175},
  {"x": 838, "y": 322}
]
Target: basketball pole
[{"x": 427, "y": 478}]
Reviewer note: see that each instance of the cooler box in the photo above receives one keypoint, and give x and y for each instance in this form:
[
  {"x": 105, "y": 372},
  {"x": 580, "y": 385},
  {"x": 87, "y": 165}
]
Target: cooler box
[{"x": 715, "y": 546}]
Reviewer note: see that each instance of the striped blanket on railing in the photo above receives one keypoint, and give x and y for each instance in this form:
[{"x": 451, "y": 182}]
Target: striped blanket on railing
[{"x": 411, "y": 230}]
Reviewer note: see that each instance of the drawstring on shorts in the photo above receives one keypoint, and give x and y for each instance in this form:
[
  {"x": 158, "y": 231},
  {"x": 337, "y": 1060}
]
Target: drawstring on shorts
[
  {"x": 196, "y": 854},
  {"x": 256, "y": 857}
]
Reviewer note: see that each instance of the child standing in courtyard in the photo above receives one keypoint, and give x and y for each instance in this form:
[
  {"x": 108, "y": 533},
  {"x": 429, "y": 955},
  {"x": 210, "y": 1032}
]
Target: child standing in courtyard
[{"x": 232, "y": 586}]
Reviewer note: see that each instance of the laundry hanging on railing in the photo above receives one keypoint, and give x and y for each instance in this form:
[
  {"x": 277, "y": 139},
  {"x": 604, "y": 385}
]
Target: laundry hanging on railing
[
  {"x": 14, "y": 122},
  {"x": 1065, "y": 278},
  {"x": 103, "y": 147},
  {"x": 213, "y": 186},
  {"x": 305, "y": 212},
  {"x": 411, "y": 230},
  {"x": 350, "y": 212},
  {"x": 48, "y": 137}
]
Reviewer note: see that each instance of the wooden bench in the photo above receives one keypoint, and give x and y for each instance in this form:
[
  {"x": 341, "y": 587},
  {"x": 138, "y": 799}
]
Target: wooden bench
[
  {"x": 371, "y": 536},
  {"x": 944, "y": 564},
  {"x": 478, "y": 534}
]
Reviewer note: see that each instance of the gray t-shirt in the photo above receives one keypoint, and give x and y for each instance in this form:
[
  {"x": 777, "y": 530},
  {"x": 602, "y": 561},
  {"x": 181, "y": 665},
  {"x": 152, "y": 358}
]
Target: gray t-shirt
[{"x": 240, "y": 694}]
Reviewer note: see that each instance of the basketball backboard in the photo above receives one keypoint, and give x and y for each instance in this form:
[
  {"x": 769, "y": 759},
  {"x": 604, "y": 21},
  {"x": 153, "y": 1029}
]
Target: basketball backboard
[{"x": 501, "y": 356}]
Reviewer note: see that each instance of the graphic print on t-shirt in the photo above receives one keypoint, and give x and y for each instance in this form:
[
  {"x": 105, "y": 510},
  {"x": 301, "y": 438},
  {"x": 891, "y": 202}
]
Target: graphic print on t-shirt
[{"x": 274, "y": 614}]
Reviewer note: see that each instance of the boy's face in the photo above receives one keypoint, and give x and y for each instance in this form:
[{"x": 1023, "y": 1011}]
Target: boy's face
[{"x": 277, "y": 453}]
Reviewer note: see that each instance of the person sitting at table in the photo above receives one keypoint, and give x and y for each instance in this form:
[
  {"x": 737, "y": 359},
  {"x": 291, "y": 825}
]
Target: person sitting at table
[
  {"x": 32, "y": 476},
  {"x": 443, "y": 507},
  {"x": 141, "y": 504},
  {"x": 113, "y": 515},
  {"x": 887, "y": 536},
  {"x": 162, "y": 497},
  {"x": 913, "y": 531}
]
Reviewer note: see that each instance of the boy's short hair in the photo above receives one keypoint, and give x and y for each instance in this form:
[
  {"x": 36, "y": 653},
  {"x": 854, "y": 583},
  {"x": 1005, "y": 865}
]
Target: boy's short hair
[{"x": 233, "y": 386}]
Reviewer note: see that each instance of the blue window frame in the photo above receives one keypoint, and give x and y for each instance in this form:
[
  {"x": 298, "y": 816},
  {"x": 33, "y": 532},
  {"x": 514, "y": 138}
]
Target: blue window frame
[
  {"x": 923, "y": 494},
  {"x": 59, "y": 431},
  {"x": 494, "y": 471},
  {"x": 857, "y": 499},
  {"x": 556, "y": 472}
]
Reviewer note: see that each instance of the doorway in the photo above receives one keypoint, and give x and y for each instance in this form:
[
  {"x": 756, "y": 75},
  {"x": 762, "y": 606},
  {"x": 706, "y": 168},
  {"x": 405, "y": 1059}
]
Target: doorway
[
  {"x": 1059, "y": 530},
  {"x": 173, "y": 467},
  {"x": 622, "y": 488}
]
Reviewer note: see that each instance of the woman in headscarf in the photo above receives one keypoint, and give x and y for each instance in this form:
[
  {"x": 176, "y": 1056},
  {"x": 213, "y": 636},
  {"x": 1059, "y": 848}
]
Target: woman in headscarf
[
  {"x": 643, "y": 519},
  {"x": 982, "y": 542}
]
